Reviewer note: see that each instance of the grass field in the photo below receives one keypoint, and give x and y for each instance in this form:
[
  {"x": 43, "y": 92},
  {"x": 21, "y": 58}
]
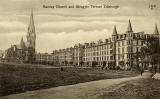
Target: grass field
[
  {"x": 137, "y": 89},
  {"x": 17, "y": 79}
]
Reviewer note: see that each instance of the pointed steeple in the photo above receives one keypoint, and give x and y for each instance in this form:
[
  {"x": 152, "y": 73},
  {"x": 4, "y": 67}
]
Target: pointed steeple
[
  {"x": 114, "y": 31},
  {"x": 129, "y": 29},
  {"x": 31, "y": 27},
  {"x": 31, "y": 35},
  {"x": 22, "y": 44},
  {"x": 156, "y": 30}
]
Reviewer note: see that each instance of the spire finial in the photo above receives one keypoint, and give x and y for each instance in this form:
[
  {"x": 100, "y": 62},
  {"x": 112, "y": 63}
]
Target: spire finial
[
  {"x": 156, "y": 30},
  {"x": 114, "y": 30},
  {"x": 129, "y": 29}
]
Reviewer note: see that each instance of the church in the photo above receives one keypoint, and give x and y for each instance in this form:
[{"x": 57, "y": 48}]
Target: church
[{"x": 24, "y": 51}]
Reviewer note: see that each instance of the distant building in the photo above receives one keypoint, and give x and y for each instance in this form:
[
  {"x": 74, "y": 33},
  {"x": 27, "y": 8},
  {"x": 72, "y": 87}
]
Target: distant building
[
  {"x": 44, "y": 58},
  {"x": 25, "y": 51},
  {"x": 58, "y": 57},
  {"x": 78, "y": 54}
]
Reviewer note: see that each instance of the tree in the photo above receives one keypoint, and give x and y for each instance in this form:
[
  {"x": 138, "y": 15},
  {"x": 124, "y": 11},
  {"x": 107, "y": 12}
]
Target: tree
[{"x": 152, "y": 52}]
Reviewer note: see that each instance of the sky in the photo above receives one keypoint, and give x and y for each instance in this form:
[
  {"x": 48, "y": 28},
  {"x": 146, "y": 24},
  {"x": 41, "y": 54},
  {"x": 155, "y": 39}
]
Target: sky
[{"x": 58, "y": 28}]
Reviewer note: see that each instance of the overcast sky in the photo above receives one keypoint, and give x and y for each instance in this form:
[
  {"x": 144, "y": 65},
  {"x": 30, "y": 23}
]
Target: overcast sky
[{"x": 60, "y": 28}]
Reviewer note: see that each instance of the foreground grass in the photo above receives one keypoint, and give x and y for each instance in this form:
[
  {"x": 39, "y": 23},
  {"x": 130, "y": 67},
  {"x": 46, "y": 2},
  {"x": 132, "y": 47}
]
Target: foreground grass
[
  {"x": 16, "y": 79},
  {"x": 138, "y": 89}
]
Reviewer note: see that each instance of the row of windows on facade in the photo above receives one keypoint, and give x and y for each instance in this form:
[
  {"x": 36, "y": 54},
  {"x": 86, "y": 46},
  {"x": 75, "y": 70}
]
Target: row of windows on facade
[
  {"x": 134, "y": 35},
  {"x": 104, "y": 58},
  {"x": 102, "y": 53},
  {"x": 107, "y": 58},
  {"x": 129, "y": 42},
  {"x": 108, "y": 52}
]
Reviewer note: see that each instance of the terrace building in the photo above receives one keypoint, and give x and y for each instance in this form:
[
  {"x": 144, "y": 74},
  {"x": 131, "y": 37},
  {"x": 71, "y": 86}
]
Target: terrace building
[
  {"x": 44, "y": 58},
  {"x": 58, "y": 57},
  {"x": 78, "y": 54},
  {"x": 118, "y": 50}
]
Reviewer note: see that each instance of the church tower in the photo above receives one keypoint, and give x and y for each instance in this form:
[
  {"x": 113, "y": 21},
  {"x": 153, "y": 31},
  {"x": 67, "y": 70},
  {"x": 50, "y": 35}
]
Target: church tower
[{"x": 31, "y": 34}]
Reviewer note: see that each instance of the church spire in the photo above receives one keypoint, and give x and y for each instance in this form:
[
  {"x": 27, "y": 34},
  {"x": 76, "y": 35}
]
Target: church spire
[
  {"x": 31, "y": 35},
  {"x": 129, "y": 29},
  {"x": 156, "y": 30},
  {"x": 31, "y": 27},
  {"x": 114, "y": 31}
]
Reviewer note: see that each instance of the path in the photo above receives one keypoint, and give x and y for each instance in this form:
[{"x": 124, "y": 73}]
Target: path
[{"x": 88, "y": 90}]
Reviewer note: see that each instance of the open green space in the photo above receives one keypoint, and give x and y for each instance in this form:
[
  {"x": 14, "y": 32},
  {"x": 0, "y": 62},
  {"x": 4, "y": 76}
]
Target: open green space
[
  {"x": 17, "y": 79},
  {"x": 137, "y": 89}
]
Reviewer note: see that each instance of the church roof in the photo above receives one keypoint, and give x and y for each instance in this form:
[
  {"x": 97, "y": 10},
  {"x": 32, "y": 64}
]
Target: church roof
[
  {"x": 129, "y": 29},
  {"x": 18, "y": 46},
  {"x": 22, "y": 44}
]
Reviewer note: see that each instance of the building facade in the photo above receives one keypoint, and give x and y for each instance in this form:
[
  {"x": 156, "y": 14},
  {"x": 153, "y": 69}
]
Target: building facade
[
  {"x": 78, "y": 55},
  {"x": 44, "y": 58},
  {"x": 118, "y": 50}
]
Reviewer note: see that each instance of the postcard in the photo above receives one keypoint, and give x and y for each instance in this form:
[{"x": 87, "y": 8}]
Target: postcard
[{"x": 79, "y": 49}]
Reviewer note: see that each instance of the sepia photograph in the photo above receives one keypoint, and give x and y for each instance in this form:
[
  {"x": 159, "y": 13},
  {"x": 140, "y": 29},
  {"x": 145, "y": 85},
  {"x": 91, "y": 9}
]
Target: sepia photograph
[{"x": 79, "y": 49}]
